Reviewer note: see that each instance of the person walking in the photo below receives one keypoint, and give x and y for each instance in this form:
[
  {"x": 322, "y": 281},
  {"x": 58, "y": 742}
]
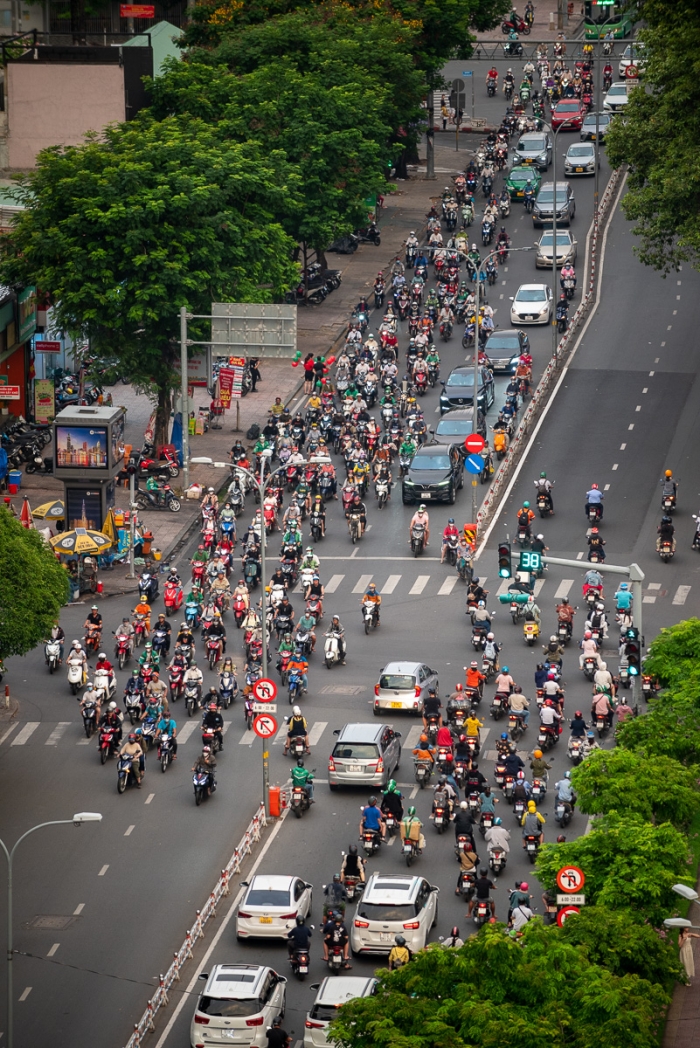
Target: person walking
[
  {"x": 308, "y": 373},
  {"x": 685, "y": 948},
  {"x": 254, "y": 373}
]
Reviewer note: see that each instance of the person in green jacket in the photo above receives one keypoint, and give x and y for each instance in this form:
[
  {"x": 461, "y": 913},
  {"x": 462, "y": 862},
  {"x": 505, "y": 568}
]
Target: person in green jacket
[{"x": 301, "y": 776}]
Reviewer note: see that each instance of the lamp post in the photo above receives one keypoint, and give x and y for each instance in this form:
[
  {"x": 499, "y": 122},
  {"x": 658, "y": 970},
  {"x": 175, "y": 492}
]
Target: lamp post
[
  {"x": 555, "y": 135},
  {"x": 77, "y": 820},
  {"x": 596, "y": 184}
]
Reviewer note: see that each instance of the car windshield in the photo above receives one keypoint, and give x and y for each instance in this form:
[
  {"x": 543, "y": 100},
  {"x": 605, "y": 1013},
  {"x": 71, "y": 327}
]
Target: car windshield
[
  {"x": 567, "y": 107},
  {"x": 399, "y": 681},
  {"x": 229, "y": 1007},
  {"x": 461, "y": 378},
  {"x": 547, "y": 196},
  {"x": 505, "y": 343},
  {"x": 355, "y": 751},
  {"x": 267, "y": 897},
  {"x": 521, "y": 174},
  {"x": 548, "y": 239},
  {"x": 532, "y": 142},
  {"x": 531, "y": 295},
  {"x": 386, "y": 911},
  {"x": 454, "y": 427},
  {"x": 618, "y": 89},
  {"x": 431, "y": 462},
  {"x": 582, "y": 150}
]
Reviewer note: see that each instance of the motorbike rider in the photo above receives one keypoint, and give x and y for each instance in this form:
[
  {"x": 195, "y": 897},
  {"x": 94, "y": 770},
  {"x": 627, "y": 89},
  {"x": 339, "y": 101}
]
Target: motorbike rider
[
  {"x": 598, "y": 620},
  {"x": 567, "y": 273},
  {"x": 594, "y": 497},
  {"x": 529, "y": 192},
  {"x": 578, "y": 726},
  {"x": 91, "y": 695},
  {"x": 596, "y": 544},
  {"x": 532, "y": 823},
  {"x": 307, "y": 624},
  {"x": 474, "y": 678},
  {"x": 206, "y": 763},
  {"x": 411, "y": 828},
  {"x": 601, "y": 707},
  {"x": 167, "y": 726},
  {"x": 301, "y": 776},
  {"x": 399, "y": 955},
  {"x": 519, "y": 705},
  {"x": 565, "y": 612},
  {"x": 539, "y": 766},
  {"x": 565, "y": 792},
  {"x": 483, "y": 886},
  {"x": 589, "y": 649},
  {"x": 491, "y": 650},
  {"x": 549, "y": 715},
  {"x": 358, "y": 506},
  {"x": 163, "y": 626},
  {"x": 372, "y": 819},
  {"x": 126, "y": 631},
  {"x": 213, "y": 721},
  {"x": 665, "y": 533},
  {"x": 472, "y": 725},
  {"x": 623, "y": 597},
  {"x": 338, "y": 630},
  {"x": 353, "y": 865},
  {"x": 476, "y": 591},
  {"x": 392, "y": 801},
  {"x": 297, "y": 726},
  {"x": 194, "y": 676},
  {"x": 669, "y": 487},
  {"x": 420, "y": 517},
  {"x": 544, "y": 487},
  {"x": 497, "y": 837},
  {"x": 451, "y": 531},
  {"x": 505, "y": 683},
  {"x": 492, "y": 75},
  {"x": 374, "y": 598},
  {"x": 299, "y": 938},
  {"x": 133, "y": 750},
  {"x": 525, "y": 517}
]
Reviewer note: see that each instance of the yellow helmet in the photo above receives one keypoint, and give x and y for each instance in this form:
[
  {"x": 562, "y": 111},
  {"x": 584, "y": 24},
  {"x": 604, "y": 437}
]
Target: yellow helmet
[
  {"x": 669, "y": 473},
  {"x": 537, "y": 753}
]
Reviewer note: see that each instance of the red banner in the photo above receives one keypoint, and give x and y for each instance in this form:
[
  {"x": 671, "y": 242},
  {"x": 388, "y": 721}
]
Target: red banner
[
  {"x": 226, "y": 376},
  {"x": 137, "y": 11}
]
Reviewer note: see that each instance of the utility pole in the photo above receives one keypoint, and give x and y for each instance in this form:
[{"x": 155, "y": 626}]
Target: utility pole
[
  {"x": 430, "y": 138},
  {"x": 183, "y": 398}
]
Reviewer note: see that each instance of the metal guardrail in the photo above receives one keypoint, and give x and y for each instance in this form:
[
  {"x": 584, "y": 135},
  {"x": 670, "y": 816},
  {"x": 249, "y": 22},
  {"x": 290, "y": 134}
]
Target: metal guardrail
[
  {"x": 540, "y": 396},
  {"x": 221, "y": 889}
]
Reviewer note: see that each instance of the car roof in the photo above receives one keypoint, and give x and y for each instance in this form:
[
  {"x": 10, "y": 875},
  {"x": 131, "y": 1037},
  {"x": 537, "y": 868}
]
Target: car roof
[
  {"x": 531, "y": 287},
  {"x": 466, "y": 369},
  {"x": 401, "y": 667},
  {"x": 531, "y": 134},
  {"x": 271, "y": 882},
  {"x": 338, "y": 989},
  {"x": 590, "y": 117},
  {"x": 234, "y": 980},
  {"x": 382, "y": 887},
  {"x": 550, "y": 186},
  {"x": 458, "y": 414},
  {"x": 505, "y": 333},
  {"x": 435, "y": 446},
  {"x": 361, "y": 732},
  {"x": 568, "y": 102}
]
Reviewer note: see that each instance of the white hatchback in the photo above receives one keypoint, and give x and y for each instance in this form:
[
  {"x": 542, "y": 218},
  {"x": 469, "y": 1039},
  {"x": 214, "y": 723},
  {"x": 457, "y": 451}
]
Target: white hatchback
[
  {"x": 532, "y": 305},
  {"x": 237, "y": 1005},
  {"x": 271, "y": 905},
  {"x": 333, "y": 993},
  {"x": 393, "y": 905}
]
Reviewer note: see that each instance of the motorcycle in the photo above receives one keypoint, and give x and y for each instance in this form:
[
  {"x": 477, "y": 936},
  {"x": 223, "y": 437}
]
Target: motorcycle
[
  {"x": 417, "y": 539},
  {"x": 300, "y": 962},
  {"x": 134, "y": 701},
  {"x": 295, "y": 686},
  {"x": 75, "y": 676},
  {"x": 148, "y": 587},
  {"x": 371, "y": 841},
  {"x": 499, "y": 705},
  {"x": 299, "y": 801},
  {"x": 331, "y": 650},
  {"x": 497, "y": 861},
  {"x": 227, "y": 689},
  {"x": 563, "y": 632},
  {"x": 466, "y": 886},
  {"x": 355, "y": 527},
  {"x": 105, "y": 682},
  {"x": 89, "y": 718},
  {"x": 191, "y": 697},
  {"x": 163, "y": 498},
  {"x": 543, "y": 505},
  {"x": 569, "y": 285},
  {"x": 122, "y": 650},
  {"x": 336, "y": 959},
  {"x": 481, "y": 912},
  {"x": 353, "y": 886},
  {"x": 410, "y": 851},
  {"x": 517, "y": 24},
  {"x": 200, "y": 781},
  {"x": 52, "y": 652},
  {"x": 562, "y": 813},
  {"x": 107, "y": 743},
  {"x": 126, "y": 773},
  {"x": 666, "y": 551},
  {"x": 173, "y": 596},
  {"x": 532, "y": 847},
  {"x": 160, "y": 641},
  {"x": 369, "y": 615},
  {"x": 531, "y": 632},
  {"x": 441, "y": 818},
  {"x": 590, "y": 665},
  {"x": 423, "y": 770}
]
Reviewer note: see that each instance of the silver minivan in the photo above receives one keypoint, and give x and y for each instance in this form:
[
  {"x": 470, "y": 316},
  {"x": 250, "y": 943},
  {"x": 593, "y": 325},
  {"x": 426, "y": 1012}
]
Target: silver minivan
[
  {"x": 364, "y": 755},
  {"x": 333, "y": 993}
]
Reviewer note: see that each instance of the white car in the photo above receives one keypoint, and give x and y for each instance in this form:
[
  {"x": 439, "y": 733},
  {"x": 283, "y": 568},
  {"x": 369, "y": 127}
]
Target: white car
[
  {"x": 332, "y": 994},
  {"x": 617, "y": 97},
  {"x": 633, "y": 53},
  {"x": 391, "y": 905},
  {"x": 532, "y": 305},
  {"x": 271, "y": 905},
  {"x": 237, "y": 1005},
  {"x": 580, "y": 159}
]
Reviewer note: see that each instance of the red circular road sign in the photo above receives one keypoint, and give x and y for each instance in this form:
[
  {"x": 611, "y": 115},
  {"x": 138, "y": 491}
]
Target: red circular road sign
[
  {"x": 265, "y": 725},
  {"x": 265, "y": 690},
  {"x": 566, "y": 912},
  {"x": 474, "y": 443},
  {"x": 631, "y": 72},
  {"x": 570, "y": 879}
]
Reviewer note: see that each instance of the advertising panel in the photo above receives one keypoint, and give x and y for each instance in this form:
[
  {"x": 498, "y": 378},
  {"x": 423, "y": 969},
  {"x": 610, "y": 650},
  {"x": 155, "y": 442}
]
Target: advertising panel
[{"x": 81, "y": 447}]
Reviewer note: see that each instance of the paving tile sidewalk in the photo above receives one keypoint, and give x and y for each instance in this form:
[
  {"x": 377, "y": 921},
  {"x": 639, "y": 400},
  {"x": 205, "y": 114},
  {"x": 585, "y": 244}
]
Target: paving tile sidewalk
[{"x": 541, "y": 24}]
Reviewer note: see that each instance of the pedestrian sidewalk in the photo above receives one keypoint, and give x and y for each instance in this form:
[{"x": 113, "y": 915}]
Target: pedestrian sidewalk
[
  {"x": 545, "y": 16},
  {"x": 682, "y": 1028}
]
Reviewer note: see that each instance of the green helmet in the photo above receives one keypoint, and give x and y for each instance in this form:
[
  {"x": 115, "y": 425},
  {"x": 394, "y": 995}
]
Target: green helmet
[
  {"x": 526, "y": 505},
  {"x": 543, "y": 475},
  {"x": 411, "y": 810},
  {"x": 391, "y": 786}
]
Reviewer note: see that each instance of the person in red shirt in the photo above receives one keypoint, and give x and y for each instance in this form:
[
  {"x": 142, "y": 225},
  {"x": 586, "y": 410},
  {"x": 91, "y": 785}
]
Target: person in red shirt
[
  {"x": 444, "y": 737},
  {"x": 449, "y": 531}
]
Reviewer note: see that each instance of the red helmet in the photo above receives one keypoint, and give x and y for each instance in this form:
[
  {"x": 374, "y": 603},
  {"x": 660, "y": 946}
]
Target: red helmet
[
  {"x": 549, "y": 702},
  {"x": 463, "y": 738},
  {"x": 449, "y": 757},
  {"x": 594, "y": 487},
  {"x": 212, "y": 706},
  {"x": 594, "y": 531},
  {"x": 459, "y": 687}
]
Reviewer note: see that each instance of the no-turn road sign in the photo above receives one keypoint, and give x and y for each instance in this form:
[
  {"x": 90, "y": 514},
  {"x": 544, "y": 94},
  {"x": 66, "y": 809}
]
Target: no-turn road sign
[
  {"x": 265, "y": 690},
  {"x": 570, "y": 879},
  {"x": 475, "y": 443},
  {"x": 565, "y": 913},
  {"x": 265, "y": 726}
]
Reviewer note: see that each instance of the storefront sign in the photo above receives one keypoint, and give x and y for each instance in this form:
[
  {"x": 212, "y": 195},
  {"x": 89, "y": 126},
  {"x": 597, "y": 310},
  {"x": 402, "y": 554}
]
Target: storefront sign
[
  {"x": 137, "y": 11},
  {"x": 226, "y": 377},
  {"x": 44, "y": 401},
  {"x": 47, "y": 346},
  {"x": 9, "y": 393}
]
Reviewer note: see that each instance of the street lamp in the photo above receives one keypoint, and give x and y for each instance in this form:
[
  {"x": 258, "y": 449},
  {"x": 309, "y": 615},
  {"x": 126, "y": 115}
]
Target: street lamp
[
  {"x": 687, "y": 893},
  {"x": 597, "y": 123},
  {"x": 77, "y": 820}
]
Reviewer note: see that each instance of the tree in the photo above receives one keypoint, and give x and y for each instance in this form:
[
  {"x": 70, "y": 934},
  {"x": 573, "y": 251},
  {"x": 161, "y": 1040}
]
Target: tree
[
  {"x": 671, "y": 728},
  {"x": 538, "y": 992},
  {"x": 624, "y": 944},
  {"x": 674, "y": 653},
  {"x": 658, "y": 138},
  {"x": 627, "y": 862},
  {"x": 152, "y": 216},
  {"x": 33, "y": 587},
  {"x": 657, "y": 788}
]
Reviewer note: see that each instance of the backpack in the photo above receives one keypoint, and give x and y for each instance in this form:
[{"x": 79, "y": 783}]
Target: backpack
[
  {"x": 254, "y": 432},
  {"x": 523, "y": 519}
]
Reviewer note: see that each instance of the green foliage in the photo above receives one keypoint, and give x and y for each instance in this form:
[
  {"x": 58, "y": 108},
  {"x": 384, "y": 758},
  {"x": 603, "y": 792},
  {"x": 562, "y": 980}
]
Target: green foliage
[
  {"x": 33, "y": 587},
  {"x": 628, "y": 863},
  {"x": 125, "y": 230},
  {"x": 541, "y": 992},
  {"x": 657, "y": 788},
  {"x": 671, "y": 728},
  {"x": 623, "y": 943},
  {"x": 675, "y": 653},
  {"x": 658, "y": 138}
]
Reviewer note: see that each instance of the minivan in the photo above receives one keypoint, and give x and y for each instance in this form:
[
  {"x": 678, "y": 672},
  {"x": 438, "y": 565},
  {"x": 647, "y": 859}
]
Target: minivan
[
  {"x": 364, "y": 755},
  {"x": 333, "y": 993}
]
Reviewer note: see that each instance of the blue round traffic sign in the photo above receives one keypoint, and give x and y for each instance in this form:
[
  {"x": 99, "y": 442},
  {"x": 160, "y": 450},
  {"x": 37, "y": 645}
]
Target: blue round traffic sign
[{"x": 474, "y": 464}]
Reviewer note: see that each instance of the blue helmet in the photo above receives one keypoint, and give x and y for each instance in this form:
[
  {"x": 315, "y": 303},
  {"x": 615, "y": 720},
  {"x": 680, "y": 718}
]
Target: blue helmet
[
  {"x": 505, "y": 670},
  {"x": 623, "y": 586}
]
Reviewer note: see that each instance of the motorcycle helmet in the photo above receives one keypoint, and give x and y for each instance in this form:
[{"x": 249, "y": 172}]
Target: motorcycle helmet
[
  {"x": 623, "y": 586},
  {"x": 296, "y": 711},
  {"x": 449, "y": 758},
  {"x": 412, "y": 810},
  {"x": 578, "y": 713},
  {"x": 567, "y": 774},
  {"x": 423, "y": 739},
  {"x": 504, "y": 735},
  {"x": 526, "y": 505},
  {"x": 483, "y": 872},
  {"x": 561, "y": 839},
  {"x": 463, "y": 738},
  {"x": 459, "y": 687},
  {"x": 590, "y": 735},
  {"x": 548, "y": 702},
  {"x": 372, "y": 801},
  {"x": 553, "y": 639},
  {"x": 300, "y": 919},
  {"x": 352, "y": 850},
  {"x": 531, "y": 807},
  {"x": 594, "y": 487},
  {"x": 505, "y": 670},
  {"x": 497, "y": 821},
  {"x": 133, "y": 737},
  {"x": 399, "y": 940},
  {"x": 442, "y": 781},
  {"x": 421, "y": 508},
  {"x": 300, "y": 763},
  {"x": 475, "y": 766},
  {"x": 543, "y": 475},
  {"x": 463, "y": 805},
  {"x": 587, "y": 635},
  {"x": 537, "y": 754},
  {"x": 482, "y": 604},
  {"x": 112, "y": 706},
  {"x": 668, "y": 474},
  {"x": 88, "y": 685},
  {"x": 664, "y": 520},
  {"x": 541, "y": 538},
  {"x": 474, "y": 665},
  {"x": 391, "y": 786},
  {"x": 102, "y": 655}
]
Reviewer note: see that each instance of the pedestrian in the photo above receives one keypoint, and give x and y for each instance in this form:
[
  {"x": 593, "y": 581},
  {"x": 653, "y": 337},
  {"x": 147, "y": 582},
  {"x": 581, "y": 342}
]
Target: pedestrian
[
  {"x": 685, "y": 947},
  {"x": 308, "y": 373},
  {"x": 253, "y": 363},
  {"x": 319, "y": 368},
  {"x": 445, "y": 115}
]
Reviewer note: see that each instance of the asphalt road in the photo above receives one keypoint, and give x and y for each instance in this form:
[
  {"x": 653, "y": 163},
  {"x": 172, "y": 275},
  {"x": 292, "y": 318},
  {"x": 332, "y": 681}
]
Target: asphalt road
[{"x": 132, "y": 883}]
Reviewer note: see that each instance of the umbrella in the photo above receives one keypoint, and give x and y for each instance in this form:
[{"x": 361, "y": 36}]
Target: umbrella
[
  {"x": 51, "y": 510},
  {"x": 109, "y": 527},
  {"x": 81, "y": 541},
  {"x": 25, "y": 516}
]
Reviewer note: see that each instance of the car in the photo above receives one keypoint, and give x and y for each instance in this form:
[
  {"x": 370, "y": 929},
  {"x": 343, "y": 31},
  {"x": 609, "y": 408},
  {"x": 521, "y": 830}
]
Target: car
[
  {"x": 633, "y": 54},
  {"x": 532, "y": 304},
  {"x": 404, "y": 686},
  {"x": 589, "y": 125},
  {"x": 504, "y": 349},
  {"x": 333, "y": 993},
  {"x": 238, "y": 1005},
  {"x": 458, "y": 389},
  {"x": 566, "y": 248},
  {"x": 455, "y": 426},
  {"x": 543, "y": 211},
  {"x": 580, "y": 159},
  {"x": 534, "y": 148},
  {"x": 518, "y": 179},
  {"x": 364, "y": 755},
  {"x": 617, "y": 97},
  {"x": 568, "y": 114},
  {"x": 436, "y": 474},
  {"x": 271, "y": 905},
  {"x": 391, "y": 905}
]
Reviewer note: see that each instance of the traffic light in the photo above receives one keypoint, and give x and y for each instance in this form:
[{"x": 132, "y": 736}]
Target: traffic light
[
  {"x": 633, "y": 652},
  {"x": 505, "y": 563}
]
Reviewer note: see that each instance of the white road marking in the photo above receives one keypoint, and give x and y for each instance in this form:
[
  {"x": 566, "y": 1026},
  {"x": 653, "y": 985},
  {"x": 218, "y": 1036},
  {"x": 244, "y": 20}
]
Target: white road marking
[
  {"x": 669, "y": 327},
  {"x": 622, "y": 447},
  {"x": 579, "y": 556},
  {"x": 638, "y": 407},
  {"x": 25, "y": 733},
  {"x": 25, "y": 993},
  {"x": 103, "y": 870},
  {"x": 390, "y": 842},
  {"x": 654, "y": 585},
  {"x": 414, "y": 792},
  {"x": 412, "y": 738},
  {"x": 681, "y": 595},
  {"x": 249, "y": 737},
  {"x": 149, "y": 798},
  {"x": 279, "y": 737},
  {"x": 538, "y": 586},
  {"x": 631, "y": 426},
  {"x": 606, "y": 488},
  {"x": 79, "y": 909},
  {"x": 649, "y": 600},
  {"x": 316, "y": 732},
  {"x": 333, "y": 583},
  {"x": 362, "y": 584},
  {"x": 185, "y": 732},
  {"x": 57, "y": 733},
  {"x": 83, "y": 742},
  {"x": 615, "y": 466},
  {"x": 53, "y": 949},
  {"x": 651, "y": 374},
  {"x": 129, "y": 831},
  {"x": 503, "y": 588},
  {"x": 390, "y": 584},
  {"x": 447, "y": 586},
  {"x": 8, "y": 732},
  {"x": 645, "y": 390},
  {"x": 563, "y": 589},
  {"x": 419, "y": 585}
]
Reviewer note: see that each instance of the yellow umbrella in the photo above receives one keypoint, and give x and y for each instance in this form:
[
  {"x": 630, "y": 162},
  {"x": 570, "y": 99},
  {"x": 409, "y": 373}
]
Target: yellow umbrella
[
  {"x": 51, "y": 510},
  {"x": 109, "y": 527},
  {"x": 81, "y": 541}
]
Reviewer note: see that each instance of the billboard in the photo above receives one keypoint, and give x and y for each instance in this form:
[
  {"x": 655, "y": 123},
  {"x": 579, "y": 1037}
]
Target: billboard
[
  {"x": 81, "y": 447},
  {"x": 253, "y": 329}
]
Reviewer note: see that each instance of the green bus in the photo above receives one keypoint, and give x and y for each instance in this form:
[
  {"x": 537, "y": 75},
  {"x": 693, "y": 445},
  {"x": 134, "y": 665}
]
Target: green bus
[{"x": 604, "y": 16}]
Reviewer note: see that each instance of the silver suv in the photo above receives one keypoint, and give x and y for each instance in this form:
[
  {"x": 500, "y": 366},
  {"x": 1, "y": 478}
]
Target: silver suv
[
  {"x": 364, "y": 755},
  {"x": 544, "y": 204}
]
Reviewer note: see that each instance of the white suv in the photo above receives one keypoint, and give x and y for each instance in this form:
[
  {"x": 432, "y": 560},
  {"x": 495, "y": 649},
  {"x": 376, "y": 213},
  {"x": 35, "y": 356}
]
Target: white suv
[
  {"x": 237, "y": 1005},
  {"x": 332, "y": 993},
  {"x": 392, "y": 905}
]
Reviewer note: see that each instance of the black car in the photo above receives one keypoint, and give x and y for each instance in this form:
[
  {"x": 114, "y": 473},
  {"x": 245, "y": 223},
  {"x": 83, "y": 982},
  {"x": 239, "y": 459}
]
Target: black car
[
  {"x": 504, "y": 349},
  {"x": 458, "y": 424},
  {"x": 435, "y": 474},
  {"x": 458, "y": 390}
]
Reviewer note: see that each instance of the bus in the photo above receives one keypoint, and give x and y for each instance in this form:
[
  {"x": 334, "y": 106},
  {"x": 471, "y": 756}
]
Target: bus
[{"x": 603, "y": 16}]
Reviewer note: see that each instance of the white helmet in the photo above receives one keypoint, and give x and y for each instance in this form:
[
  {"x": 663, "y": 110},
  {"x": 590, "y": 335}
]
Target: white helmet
[
  {"x": 603, "y": 666},
  {"x": 296, "y": 711}
]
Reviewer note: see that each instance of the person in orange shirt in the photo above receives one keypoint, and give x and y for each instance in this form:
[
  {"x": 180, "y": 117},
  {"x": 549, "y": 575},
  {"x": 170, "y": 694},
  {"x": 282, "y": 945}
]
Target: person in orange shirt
[
  {"x": 475, "y": 679},
  {"x": 525, "y": 518},
  {"x": 144, "y": 608}
]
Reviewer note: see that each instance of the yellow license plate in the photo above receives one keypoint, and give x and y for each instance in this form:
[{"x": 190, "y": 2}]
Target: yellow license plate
[
  {"x": 396, "y": 705},
  {"x": 265, "y": 920},
  {"x": 579, "y": 169},
  {"x": 520, "y": 192}
]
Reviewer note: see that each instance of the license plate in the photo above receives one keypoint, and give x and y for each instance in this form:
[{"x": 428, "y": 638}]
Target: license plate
[
  {"x": 396, "y": 705},
  {"x": 265, "y": 920},
  {"x": 579, "y": 169},
  {"x": 530, "y": 317},
  {"x": 427, "y": 495},
  {"x": 386, "y": 937},
  {"x": 229, "y": 1034},
  {"x": 303, "y": 968},
  {"x": 355, "y": 768}
]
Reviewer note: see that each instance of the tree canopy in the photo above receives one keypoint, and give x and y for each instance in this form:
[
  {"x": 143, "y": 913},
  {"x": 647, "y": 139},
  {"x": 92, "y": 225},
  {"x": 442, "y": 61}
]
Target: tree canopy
[
  {"x": 33, "y": 587},
  {"x": 658, "y": 138}
]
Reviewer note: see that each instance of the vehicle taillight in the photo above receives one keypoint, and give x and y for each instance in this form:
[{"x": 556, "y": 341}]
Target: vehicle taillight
[
  {"x": 288, "y": 916},
  {"x": 255, "y": 1022},
  {"x": 331, "y": 764},
  {"x": 376, "y": 689},
  {"x": 412, "y": 925},
  {"x": 361, "y": 924},
  {"x": 380, "y": 765},
  {"x": 247, "y": 916},
  {"x": 313, "y": 1026},
  {"x": 417, "y": 691},
  {"x": 201, "y": 1019}
]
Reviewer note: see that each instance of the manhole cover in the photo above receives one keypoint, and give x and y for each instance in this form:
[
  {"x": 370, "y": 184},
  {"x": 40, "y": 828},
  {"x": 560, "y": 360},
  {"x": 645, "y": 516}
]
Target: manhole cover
[{"x": 49, "y": 922}]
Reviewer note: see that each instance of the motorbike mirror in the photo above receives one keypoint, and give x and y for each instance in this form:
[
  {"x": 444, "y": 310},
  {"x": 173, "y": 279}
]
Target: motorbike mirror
[{"x": 203, "y": 975}]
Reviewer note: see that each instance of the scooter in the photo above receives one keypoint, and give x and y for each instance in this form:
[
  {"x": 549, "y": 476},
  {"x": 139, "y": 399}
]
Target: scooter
[
  {"x": 331, "y": 650},
  {"x": 52, "y": 652}
]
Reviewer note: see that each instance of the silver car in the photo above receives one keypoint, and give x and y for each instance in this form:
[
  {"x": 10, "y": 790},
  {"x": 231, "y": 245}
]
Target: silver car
[
  {"x": 617, "y": 97},
  {"x": 333, "y": 993},
  {"x": 404, "y": 686},
  {"x": 238, "y": 1004},
  {"x": 534, "y": 148},
  {"x": 580, "y": 159},
  {"x": 394, "y": 904},
  {"x": 566, "y": 249},
  {"x": 364, "y": 755}
]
